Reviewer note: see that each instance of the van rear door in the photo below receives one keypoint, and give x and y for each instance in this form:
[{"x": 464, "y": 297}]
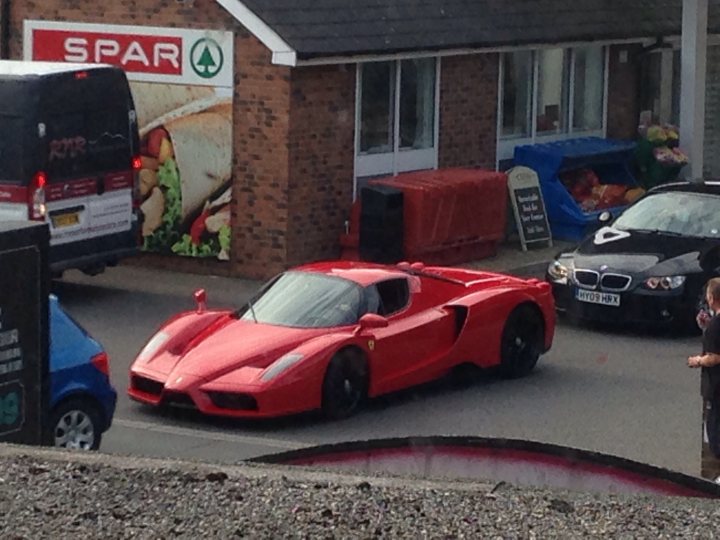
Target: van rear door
[
  {"x": 89, "y": 173},
  {"x": 88, "y": 120}
]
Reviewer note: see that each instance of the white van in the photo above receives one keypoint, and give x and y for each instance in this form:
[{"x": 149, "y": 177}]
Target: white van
[{"x": 69, "y": 156}]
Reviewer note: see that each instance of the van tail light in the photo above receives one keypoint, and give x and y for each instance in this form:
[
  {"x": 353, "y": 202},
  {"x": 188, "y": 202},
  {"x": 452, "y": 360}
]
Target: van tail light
[
  {"x": 137, "y": 163},
  {"x": 136, "y": 166},
  {"x": 36, "y": 197},
  {"x": 102, "y": 363}
]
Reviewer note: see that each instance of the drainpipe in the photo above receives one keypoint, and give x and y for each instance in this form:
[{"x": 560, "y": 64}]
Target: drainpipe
[
  {"x": 693, "y": 54},
  {"x": 5, "y": 29}
]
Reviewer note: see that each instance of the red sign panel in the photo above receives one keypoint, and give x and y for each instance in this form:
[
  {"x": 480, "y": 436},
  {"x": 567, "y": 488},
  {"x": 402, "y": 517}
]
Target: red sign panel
[{"x": 156, "y": 54}]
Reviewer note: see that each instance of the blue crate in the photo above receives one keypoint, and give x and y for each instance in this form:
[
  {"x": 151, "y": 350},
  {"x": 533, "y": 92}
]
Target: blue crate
[{"x": 609, "y": 159}]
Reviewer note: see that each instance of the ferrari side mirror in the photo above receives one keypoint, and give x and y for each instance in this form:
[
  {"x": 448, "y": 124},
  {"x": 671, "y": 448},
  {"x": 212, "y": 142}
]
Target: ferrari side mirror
[
  {"x": 371, "y": 321},
  {"x": 605, "y": 217},
  {"x": 201, "y": 300}
]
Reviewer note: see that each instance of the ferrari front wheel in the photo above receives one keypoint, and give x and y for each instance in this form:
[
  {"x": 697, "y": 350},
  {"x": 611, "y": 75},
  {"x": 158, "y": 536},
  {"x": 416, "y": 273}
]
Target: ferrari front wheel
[
  {"x": 522, "y": 342},
  {"x": 345, "y": 385}
]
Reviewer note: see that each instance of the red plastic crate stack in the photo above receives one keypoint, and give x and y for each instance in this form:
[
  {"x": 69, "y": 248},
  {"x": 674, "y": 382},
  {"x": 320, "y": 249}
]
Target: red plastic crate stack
[{"x": 451, "y": 215}]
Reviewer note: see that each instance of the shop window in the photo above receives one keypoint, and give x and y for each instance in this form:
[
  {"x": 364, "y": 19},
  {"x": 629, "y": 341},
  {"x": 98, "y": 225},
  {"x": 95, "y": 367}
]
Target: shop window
[
  {"x": 553, "y": 76},
  {"x": 550, "y": 94},
  {"x": 675, "y": 109},
  {"x": 651, "y": 76},
  {"x": 397, "y": 108},
  {"x": 517, "y": 94},
  {"x": 588, "y": 88},
  {"x": 417, "y": 103},
  {"x": 660, "y": 86},
  {"x": 377, "y": 105}
]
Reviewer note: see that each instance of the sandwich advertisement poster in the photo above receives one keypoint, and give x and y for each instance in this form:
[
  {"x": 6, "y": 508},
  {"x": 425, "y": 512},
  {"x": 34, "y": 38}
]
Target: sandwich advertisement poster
[{"x": 182, "y": 85}]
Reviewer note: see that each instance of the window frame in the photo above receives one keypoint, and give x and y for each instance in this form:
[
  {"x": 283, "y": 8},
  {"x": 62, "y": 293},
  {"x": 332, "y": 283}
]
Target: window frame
[
  {"x": 506, "y": 144},
  {"x": 668, "y": 93},
  {"x": 399, "y": 159}
]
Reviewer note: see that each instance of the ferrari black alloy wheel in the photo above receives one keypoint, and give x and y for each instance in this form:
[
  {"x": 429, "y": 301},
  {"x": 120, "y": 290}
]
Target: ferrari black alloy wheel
[
  {"x": 522, "y": 342},
  {"x": 345, "y": 385}
]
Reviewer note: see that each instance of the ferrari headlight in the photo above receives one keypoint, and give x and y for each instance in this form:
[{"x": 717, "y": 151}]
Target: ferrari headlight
[
  {"x": 664, "y": 283},
  {"x": 153, "y": 345},
  {"x": 558, "y": 272},
  {"x": 280, "y": 365}
]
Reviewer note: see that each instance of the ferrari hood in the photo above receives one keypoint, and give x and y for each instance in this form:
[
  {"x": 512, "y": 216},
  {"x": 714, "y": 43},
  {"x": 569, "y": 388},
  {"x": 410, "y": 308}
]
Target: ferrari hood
[
  {"x": 643, "y": 252},
  {"x": 232, "y": 346}
]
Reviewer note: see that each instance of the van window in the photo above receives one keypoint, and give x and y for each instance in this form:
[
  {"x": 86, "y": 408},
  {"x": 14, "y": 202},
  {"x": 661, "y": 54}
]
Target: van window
[
  {"x": 88, "y": 142},
  {"x": 11, "y": 148}
]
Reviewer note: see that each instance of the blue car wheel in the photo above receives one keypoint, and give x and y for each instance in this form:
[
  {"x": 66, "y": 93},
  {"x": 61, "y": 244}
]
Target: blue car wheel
[{"x": 75, "y": 424}]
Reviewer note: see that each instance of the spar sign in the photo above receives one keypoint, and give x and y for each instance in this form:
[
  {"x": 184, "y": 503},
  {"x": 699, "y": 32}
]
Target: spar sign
[
  {"x": 151, "y": 54},
  {"x": 182, "y": 87}
]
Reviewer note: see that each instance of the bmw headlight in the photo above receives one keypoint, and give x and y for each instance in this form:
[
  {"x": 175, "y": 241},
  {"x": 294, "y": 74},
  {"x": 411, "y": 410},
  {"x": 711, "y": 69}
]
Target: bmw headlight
[
  {"x": 558, "y": 272},
  {"x": 664, "y": 283},
  {"x": 280, "y": 365}
]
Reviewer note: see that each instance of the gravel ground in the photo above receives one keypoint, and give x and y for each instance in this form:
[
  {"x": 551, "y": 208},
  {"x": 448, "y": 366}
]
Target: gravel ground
[{"x": 50, "y": 494}]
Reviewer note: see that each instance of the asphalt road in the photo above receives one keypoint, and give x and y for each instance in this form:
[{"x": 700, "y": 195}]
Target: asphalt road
[{"x": 598, "y": 389}]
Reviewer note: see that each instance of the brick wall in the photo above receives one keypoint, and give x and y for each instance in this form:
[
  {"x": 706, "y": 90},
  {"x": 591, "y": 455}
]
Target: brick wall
[
  {"x": 623, "y": 93},
  {"x": 260, "y": 211},
  {"x": 322, "y": 124},
  {"x": 261, "y": 119},
  {"x": 468, "y": 110}
]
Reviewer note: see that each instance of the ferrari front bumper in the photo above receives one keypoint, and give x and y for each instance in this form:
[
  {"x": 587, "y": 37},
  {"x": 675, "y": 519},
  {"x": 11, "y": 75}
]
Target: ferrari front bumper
[{"x": 238, "y": 402}]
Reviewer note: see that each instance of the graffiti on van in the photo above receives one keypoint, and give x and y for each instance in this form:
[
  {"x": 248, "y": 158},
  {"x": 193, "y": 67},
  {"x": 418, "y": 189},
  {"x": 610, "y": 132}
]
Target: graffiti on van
[
  {"x": 68, "y": 147},
  {"x": 108, "y": 142}
]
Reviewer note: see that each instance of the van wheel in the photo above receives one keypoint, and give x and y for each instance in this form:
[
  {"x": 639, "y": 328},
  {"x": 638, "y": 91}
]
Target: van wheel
[{"x": 93, "y": 270}]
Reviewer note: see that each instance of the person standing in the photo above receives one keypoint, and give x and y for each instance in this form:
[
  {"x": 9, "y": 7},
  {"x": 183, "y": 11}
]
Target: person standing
[{"x": 709, "y": 362}]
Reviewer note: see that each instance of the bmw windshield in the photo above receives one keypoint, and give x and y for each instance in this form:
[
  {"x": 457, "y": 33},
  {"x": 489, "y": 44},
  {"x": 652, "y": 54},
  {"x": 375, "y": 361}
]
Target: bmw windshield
[
  {"x": 674, "y": 213},
  {"x": 306, "y": 300}
]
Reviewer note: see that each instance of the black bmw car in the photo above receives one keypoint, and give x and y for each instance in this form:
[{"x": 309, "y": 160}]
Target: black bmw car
[{"x": 649, "y": 264}]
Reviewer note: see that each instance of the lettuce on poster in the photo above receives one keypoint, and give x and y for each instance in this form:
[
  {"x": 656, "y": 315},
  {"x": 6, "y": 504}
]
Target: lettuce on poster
[{"x": 186, "y": 173}]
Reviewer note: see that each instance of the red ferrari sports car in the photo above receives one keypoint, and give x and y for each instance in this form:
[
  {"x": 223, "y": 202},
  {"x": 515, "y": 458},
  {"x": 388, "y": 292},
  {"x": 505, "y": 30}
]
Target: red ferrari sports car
[{"x": 328, "y": 335}]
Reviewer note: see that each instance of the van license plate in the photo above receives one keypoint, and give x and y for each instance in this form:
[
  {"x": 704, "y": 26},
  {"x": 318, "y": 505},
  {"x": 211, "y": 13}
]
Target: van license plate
[
  {"x": 596, "y": 297},
  {"x": 65, "y": 220}
]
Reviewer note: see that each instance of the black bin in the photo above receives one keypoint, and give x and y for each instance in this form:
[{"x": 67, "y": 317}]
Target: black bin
[
  {"x": 381, "y": 224},
  {"x": 24, "y": 331}
]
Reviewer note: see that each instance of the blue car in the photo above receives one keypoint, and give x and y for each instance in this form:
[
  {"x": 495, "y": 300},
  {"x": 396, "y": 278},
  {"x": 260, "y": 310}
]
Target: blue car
[{"x": 82, "y": 400}]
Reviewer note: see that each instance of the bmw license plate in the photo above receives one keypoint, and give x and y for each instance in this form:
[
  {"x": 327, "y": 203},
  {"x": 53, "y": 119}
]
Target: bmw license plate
[
  {"x": 596, "y": 297},
  {"x": 65, "y": 220}
]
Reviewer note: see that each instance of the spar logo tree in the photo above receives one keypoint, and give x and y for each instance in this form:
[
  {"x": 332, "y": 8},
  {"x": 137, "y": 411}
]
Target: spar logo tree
[{"x": 206, "y": 58}]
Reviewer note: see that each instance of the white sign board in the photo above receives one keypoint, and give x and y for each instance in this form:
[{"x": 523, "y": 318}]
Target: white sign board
[{"x": 528, "y": 206}]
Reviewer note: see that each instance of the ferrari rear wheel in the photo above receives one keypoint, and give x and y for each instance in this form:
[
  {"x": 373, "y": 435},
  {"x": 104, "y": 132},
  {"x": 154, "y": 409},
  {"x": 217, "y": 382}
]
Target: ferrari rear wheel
[
  {"x": 345, "y": 385},
  {"x": 522, "y": 342}
]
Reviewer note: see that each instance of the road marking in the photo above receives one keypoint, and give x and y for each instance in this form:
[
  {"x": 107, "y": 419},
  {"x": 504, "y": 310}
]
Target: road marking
[{"x": 211, "y": 435}]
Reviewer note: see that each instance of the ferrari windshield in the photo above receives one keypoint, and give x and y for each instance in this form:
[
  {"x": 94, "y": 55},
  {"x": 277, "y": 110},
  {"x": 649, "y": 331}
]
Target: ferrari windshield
[
  {"x": 678, "y": 213},
  {"x": 306, "y": 300}
]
